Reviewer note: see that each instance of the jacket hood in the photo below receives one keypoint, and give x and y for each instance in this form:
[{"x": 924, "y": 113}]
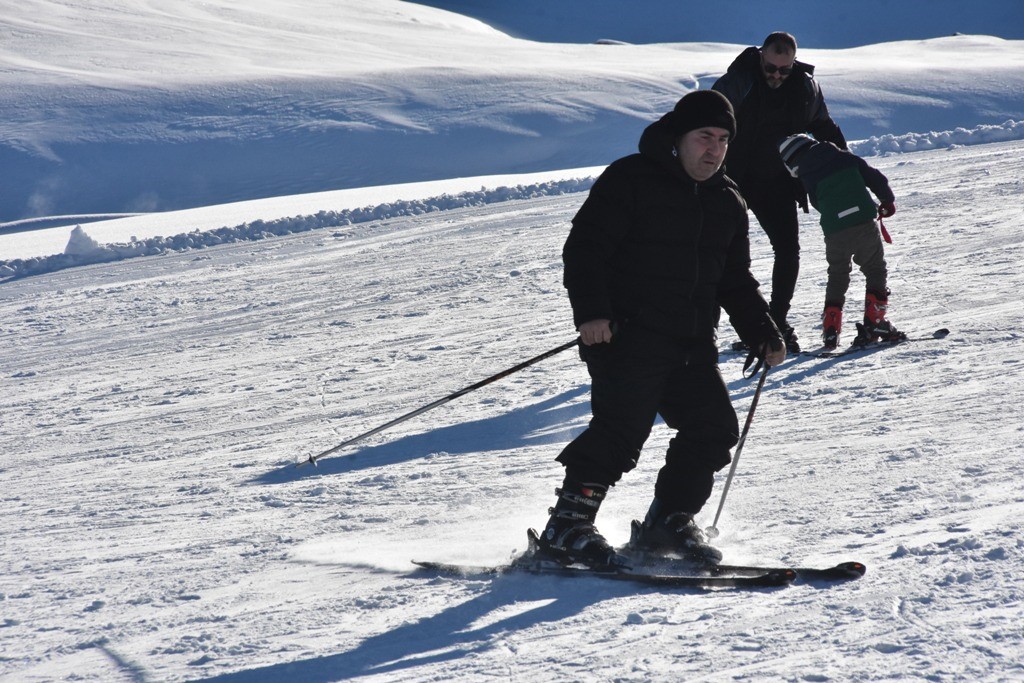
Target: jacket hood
[{"x": 816, "y": 157}]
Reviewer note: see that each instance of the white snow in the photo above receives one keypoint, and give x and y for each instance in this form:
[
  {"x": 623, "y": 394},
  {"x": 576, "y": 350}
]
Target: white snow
[
  {"x": 152, "y": 409},
  {"x": 121, "y": 106}
]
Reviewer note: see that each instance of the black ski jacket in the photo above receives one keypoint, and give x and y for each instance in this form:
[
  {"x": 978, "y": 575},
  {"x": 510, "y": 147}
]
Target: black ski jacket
[
  {"x": 764, "y": 117},
  {"x": 652, "y": 247}
]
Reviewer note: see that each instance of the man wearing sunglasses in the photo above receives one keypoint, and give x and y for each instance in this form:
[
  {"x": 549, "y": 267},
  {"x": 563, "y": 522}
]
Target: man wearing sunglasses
[{"x": 774, "y": 96}]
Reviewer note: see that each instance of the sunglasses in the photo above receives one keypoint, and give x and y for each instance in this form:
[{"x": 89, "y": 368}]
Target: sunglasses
[{"x": 771, "y": 68}]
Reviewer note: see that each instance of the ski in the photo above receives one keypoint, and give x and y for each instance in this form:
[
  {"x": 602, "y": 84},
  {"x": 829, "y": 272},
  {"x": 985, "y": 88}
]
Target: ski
[
  {"x": 656, "y": 562},
  {"x": 872, "y": 346},
  {"x": 655, "y": 570},
  {"x": 841, "y": 572},
  {"x": 941, "y": 333},
  {"x": 772, "y": 578},
  {"x": 534, "y": 561}
]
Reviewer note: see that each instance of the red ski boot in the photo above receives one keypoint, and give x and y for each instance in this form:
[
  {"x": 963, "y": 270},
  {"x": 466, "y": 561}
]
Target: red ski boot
[
  {"x": 831, "y": 325},
  {"x": 876, "y": 327}
]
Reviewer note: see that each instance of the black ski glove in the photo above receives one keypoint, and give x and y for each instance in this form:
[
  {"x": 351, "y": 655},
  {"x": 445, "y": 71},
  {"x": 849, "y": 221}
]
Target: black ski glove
[{"x": 770, "y": 340}]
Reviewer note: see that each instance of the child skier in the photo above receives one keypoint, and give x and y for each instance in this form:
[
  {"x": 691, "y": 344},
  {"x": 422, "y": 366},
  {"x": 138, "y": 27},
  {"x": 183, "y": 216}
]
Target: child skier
[{"x": 837, "y": 184}]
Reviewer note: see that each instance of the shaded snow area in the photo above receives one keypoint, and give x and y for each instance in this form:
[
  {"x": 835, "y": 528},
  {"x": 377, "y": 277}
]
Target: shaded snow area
[
  {"x": 156, "y": 527},
  {"x": 121, "y": 106},
  {"x": 82, "y": 249},
  {"x": 74, "y": 253}
]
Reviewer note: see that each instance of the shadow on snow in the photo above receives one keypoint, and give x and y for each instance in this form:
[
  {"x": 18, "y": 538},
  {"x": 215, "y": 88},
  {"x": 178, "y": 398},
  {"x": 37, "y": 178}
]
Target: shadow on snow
[
  {"x": 453, "y": 633},
  {"x": 554, "y": 421},
  {"x": 549, "y": 422}
]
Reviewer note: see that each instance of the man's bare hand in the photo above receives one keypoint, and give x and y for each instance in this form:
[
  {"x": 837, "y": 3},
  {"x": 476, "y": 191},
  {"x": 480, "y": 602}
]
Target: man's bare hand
[
  {"x": 598, "y": 332},
  {"x": 775, "y": 357}
]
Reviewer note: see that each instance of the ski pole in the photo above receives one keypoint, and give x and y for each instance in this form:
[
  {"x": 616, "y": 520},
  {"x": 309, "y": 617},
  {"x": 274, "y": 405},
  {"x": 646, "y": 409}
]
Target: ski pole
[
  {"x": 712, "y": 531},
  {"x": 461, "y": 392}
]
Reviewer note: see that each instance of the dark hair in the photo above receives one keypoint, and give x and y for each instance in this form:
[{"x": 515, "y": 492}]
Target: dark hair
[{"x": 780, "y": 41}]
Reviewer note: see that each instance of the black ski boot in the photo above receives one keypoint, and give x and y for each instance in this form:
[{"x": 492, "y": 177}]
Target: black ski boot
[
  {"x": 789, "y": 336},
  {"x": 673, "y": 534},
  {"x": 787, "y": 332},
  {"x": 570, "y": 536},
  {"x": 883, "y": 331}
]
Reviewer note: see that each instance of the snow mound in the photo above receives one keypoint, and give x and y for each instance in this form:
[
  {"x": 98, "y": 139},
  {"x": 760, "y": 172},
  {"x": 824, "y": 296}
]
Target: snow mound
[
  {"x": 84, "y": 250},
  {"x": 915, "y": 142},
  {"x": 80, "y": 243}
]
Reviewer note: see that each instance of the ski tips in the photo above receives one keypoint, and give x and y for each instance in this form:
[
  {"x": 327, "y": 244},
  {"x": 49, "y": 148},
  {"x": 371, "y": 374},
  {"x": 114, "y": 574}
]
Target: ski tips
[{"x": 854, "y": 568}]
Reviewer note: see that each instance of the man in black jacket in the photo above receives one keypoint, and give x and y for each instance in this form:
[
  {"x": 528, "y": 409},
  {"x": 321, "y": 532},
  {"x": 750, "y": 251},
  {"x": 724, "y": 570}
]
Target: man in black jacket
[
  {"x": 774, "y": 96},
  {"x": 660, "y": 244}
]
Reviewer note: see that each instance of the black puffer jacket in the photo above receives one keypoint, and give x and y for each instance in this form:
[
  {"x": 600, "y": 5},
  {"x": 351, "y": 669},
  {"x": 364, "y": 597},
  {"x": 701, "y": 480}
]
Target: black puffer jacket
[
  {"x": 652, "y": 247},
  {"x": 765, "y": 116}
]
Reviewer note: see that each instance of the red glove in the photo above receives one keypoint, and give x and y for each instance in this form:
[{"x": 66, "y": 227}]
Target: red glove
[{"x": 887, "y": 209}]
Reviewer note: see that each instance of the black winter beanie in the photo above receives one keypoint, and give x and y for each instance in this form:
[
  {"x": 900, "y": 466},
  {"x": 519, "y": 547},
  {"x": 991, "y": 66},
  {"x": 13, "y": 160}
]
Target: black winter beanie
[{"x": 699, "y": 109}]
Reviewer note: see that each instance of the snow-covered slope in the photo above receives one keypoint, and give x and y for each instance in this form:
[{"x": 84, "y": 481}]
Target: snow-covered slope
[
  {"x": 33, "y": 248},
  {"x": 155, "y": 528},
  {"x": 152, "y": 409},
  {"x": 122, "y": 106}
]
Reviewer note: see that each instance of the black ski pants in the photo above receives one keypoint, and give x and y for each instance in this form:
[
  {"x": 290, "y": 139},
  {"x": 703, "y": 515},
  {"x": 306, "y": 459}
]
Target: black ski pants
[
  {"x": 637, "y": 376},
  {"x": 773, "y": 203}
]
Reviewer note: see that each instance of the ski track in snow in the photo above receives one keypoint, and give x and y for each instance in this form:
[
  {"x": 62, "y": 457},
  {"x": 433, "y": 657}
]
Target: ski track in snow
[{"x": 155, "y": 527}]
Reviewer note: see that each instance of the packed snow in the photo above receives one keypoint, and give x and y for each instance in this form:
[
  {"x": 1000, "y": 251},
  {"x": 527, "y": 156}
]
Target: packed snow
[{"x": 163, "y": 374}]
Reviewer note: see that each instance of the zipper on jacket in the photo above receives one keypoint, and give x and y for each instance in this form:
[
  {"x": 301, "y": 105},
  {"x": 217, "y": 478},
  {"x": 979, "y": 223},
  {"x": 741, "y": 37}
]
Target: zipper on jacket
[{"x": 696, "y": 259}]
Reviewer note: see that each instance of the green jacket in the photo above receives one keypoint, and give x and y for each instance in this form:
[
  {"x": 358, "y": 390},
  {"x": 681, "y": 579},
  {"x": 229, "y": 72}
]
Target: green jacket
[{"x": 837, "y": 183}]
